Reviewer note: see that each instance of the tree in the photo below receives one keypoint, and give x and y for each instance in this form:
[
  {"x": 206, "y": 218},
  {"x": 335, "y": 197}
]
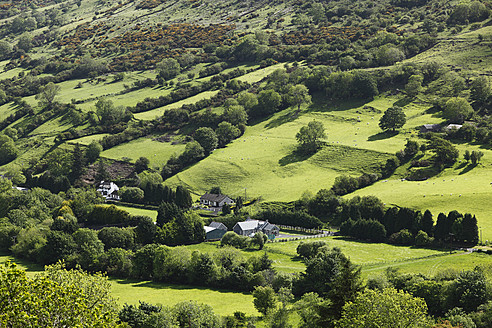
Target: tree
[
  {"x": 332, "y": 275},
  {"x": 183, "y": 197},
  {"x": 309, "y": 136},
  {"x": 297, "y": 95},
  {"x": 78, "y": 162},
  {"x": 446, "y": 152},
  {"x": 25, "y": 42},
  {"x": 167, "y": 212},
  {"x": 264, "y": 299},
  {"x": 468, "y": 291},
  {"x": 168, "y": 68},
  {"x": 47, "y": 94},
  {"x": 393, "y": 118},
  {"x": 476, "y": 156},
  {"x": 259, "y": 239},
  {"x": 384, "y": 309},
  {"x": 268, "y": 103},
  {"x": 470, "y": 229},
  {"x": 207, "y": 138},
  {"x": 246, "y": 99},
  {"x": 226, "y": 132},
  {"x": 414, "y": 85},
  {"x": 108, "y": 113},
  {"x": 457, "y": 110},
  {"x": 427, "y": 222},
  {"x": 480, "y": 89},
  {"x": 141, "y": 164},
  {"x": 8, "y": 150},
  {"x": 93, "y": 150},
  {"x": 235, "y": 115},
  {"x": 193, "y": 314},
  {"x": 55, "y": 298},
  {"x": 5, "y": 49}
]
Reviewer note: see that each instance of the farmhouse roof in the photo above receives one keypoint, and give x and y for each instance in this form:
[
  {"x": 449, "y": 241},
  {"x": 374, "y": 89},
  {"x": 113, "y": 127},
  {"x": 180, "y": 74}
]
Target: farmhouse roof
[
  {"x": 248, "y": 225},
  {"x": 431, "y": 127},
  {"x": 217, "y": 225},
  {"x": 208, "y": 229},
  {"x": 268, "y": 226},
  {"x": 453, "y": 126},
  {"x": 213, "y": 197}
]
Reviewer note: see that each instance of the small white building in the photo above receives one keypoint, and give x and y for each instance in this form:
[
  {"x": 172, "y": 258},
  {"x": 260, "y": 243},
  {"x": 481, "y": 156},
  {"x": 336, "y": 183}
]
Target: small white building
[
  {"x": 250, "y": 227},
  {"x": 109, "y": 190},
  {"x": 215, "y": 200}
]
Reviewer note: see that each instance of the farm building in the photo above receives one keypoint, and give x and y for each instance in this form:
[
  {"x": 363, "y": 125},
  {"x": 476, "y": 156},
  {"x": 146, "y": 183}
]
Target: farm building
[
  {"x": 218, "y": 225},
  {"x": 450, "y": 127},
  {"x": 109, "y": 190},
  {"x": 250, "y": 227},
  {"x": 215, "y": 231},
  {"x": 430, "y": 128},
  {"x": 215, "y": 200}
]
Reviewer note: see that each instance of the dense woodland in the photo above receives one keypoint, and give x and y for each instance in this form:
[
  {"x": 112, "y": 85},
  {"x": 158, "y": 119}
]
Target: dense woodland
[{"x": 324, "y": 51}]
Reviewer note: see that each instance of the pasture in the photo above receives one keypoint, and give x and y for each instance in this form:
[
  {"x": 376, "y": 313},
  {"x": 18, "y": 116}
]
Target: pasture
[
  {"x": 223, "y": 302},
  {"x": 157, "y": 152},
  {"x": 264, "y": 160},
  {"x": 139, "y": 211}
]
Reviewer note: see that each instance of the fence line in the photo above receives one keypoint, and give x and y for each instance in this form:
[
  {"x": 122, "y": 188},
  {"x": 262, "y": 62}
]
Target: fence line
[
  {"x": 282, "y": 240},
  {"x": 313, "y": 231}
]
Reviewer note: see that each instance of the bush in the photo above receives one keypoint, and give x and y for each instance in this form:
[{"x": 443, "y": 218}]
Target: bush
[{"x": 231, "y": 238}]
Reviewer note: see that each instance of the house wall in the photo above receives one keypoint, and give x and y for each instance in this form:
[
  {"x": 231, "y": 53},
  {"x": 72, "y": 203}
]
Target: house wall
[{"x": 215, "y": 234}]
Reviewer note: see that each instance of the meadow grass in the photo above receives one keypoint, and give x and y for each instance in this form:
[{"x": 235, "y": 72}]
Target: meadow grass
[
  {"x": 463, "y": 50},
  {"x": 264, "y": 160},
  {"x": 151, "y": 114},
  {"x": 88, "y": 139},
  {"x": 157, "y": 152},
  {"x": 139, "y": 211},
  {"x": 6, "y": 110},
  {"x": 223, "y": 302}
]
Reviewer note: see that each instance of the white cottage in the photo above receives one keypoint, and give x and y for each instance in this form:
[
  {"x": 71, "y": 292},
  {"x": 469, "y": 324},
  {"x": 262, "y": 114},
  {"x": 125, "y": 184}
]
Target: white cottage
[{"x": 109, "y": 190}]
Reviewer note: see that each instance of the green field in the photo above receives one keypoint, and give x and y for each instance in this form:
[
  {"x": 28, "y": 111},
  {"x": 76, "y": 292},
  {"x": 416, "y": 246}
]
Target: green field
[
  {"x": 157, "y": 152},
  {"x": 264, "y": 161},
  {"x": 223, "y": 302},
  {"x": 139, "y": 211}
]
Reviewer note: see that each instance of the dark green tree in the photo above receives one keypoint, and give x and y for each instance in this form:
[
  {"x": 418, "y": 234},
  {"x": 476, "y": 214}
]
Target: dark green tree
[
  {"x": 183, "y": 197},
  {"x": 168, "y": 68},
  {"x": 141, "y": 164},
  {"x": 264, "y": 299},
  {"x": 392, "y": 119},
  {"x": 470, "y": 229},
  {"x": 309, "y": 137},
  {"x": 78, "y": 162},
  {"x": 93, "y": 150},
  {"x": 427, "y": 222},
  {"x": 207, "y": 138}
]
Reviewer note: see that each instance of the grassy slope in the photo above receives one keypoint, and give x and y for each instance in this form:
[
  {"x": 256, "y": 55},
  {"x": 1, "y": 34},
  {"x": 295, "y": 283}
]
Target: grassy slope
[
  {"x": 263, "y": 160},
  {"x": 157, "y": 152}
]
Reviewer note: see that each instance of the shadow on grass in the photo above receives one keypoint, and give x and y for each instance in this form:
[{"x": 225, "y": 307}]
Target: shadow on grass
[
  {"x": 403, "y": 102},
  {"x": 468, "y": 168},
  {"x": 382, "y": 135},
  {"x": 26, "y": 265},
  {"x": 285, "y": 118},
  {"x": 321, "y": 104},
  {"x": 162, "y": 285},
  {"x": 430, "y": 247},
  {"x": 294, "y": 157}
]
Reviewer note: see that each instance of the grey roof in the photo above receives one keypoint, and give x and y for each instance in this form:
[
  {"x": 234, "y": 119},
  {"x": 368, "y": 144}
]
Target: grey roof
[
  {"x": 214, "y": 197},
  {"x": 208, "y": 229},
  {"x": 218, "y": 225},
  {"x": 453, "y": 126},
  {"x": 248, "y": 225},
  {"x": 268, "y": 226}
]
